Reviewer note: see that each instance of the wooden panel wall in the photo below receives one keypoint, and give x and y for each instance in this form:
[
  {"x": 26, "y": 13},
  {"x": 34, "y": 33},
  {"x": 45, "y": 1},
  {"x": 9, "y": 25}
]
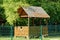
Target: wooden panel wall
[
  {"x": 34, "y": 31},
  {"x": 28, "y": 31},
  {"x": 21, "y": 31}
]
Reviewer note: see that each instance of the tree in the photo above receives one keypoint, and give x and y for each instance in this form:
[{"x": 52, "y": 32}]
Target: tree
[
  {"x": 1, "y": 2},
  {"x": 11, "y": 7},
  {"x": 52, "y": 7}
]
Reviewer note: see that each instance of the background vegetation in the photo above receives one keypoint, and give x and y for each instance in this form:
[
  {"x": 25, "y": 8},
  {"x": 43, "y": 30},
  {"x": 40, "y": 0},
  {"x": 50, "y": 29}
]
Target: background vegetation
[{"x": 8, "y": 10}]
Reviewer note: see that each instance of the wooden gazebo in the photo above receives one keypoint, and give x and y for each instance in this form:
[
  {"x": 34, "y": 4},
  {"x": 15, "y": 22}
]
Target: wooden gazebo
[{"x": 28, "y": 12}]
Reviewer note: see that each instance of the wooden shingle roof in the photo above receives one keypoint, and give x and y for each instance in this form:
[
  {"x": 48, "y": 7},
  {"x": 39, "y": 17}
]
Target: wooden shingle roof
[{"x": 32, "y": 11}]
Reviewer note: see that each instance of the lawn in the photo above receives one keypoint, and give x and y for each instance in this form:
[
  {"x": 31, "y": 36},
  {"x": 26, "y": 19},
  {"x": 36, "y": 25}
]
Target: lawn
[
  {"x": 17, "y": 38},
  {"x": 21, "y": 38}
]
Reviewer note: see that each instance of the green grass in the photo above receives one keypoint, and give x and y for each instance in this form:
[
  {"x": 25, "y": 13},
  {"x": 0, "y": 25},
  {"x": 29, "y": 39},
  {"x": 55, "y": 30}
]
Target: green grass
[
  {"x": 21, "y": 38},
  {"x": 17, "y": 38}
]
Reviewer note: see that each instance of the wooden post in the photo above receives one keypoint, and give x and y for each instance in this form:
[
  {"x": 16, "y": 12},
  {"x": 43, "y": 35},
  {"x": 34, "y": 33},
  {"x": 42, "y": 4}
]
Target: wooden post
[
  {"x": 47, "y": 27},
  {"x": 40, "y": 21},
  {"x": 28, "y": 21},
  {"x": 28, "y": 30},
  {"x": 33, "y": 21},
  {"x": 46, "y": 22}
]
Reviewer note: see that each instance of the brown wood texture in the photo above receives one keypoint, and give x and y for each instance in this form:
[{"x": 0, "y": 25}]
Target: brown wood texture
[
  {"x": 18, "y": 31},
  {"x": 27, "y": 31},
  {"x": 32, "y": 11}
]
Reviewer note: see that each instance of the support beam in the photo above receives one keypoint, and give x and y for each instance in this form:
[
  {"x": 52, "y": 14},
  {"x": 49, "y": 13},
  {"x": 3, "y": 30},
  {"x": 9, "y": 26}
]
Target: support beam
[
  {"x": 28, "y": 30},
  {"x": 46, "y": 22},
  {"x": 33, "y": 21},
  {"x": 47, "y": 26},
  {"x": 28, "y": 21}
]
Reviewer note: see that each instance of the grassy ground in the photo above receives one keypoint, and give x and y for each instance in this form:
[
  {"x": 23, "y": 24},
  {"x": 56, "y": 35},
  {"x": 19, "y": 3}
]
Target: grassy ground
[
  {"x": 17, "y": 38},
  {"x": 21, "y": 38}
]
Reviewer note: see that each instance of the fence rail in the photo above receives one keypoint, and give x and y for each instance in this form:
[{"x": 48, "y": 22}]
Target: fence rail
[
  {"x": 5, "y": 31},
  {"x": 54, "y": 30}
]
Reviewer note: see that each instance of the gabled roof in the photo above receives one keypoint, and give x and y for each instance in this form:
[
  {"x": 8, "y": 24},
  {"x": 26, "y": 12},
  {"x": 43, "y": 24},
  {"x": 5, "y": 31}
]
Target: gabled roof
[{"x": 33, "y": 11}]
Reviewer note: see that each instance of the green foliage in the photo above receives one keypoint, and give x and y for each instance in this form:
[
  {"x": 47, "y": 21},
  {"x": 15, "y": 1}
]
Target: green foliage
[
  {"x": 2, "y": 10},
  {"x": 9, "y": 8},
  {"x": 53, "y": 9},
  {"x": 1, "y": 1},
  {"x": 22, "y": 22},
  {"x": 16, "y": 0}
]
